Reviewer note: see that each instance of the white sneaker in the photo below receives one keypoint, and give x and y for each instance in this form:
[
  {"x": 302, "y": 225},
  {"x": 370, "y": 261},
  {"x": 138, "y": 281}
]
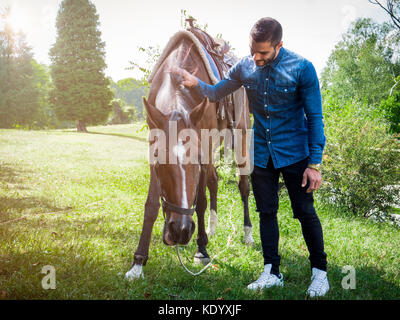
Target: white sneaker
[
  {"x": 266, "y": 280},
  {"x": 319, "y": 283}
]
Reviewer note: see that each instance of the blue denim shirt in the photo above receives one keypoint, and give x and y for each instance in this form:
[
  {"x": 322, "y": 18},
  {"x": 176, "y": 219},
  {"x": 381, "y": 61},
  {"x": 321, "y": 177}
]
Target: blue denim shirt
[{"x": 285, "y": 100}]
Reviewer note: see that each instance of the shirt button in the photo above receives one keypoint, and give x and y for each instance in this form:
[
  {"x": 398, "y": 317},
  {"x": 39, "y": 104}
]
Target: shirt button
[
  {"x": 265, "y": 93},
  {"x": 267, "y": 130},
  {"x": 266, "y": 79},
  {"x": 269, "y": 141},
  {"x": 265, "y": 105}
]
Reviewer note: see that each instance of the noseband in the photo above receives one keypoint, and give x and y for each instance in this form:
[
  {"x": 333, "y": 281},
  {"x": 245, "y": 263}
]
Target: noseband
[{"x": 167, "y": 206}]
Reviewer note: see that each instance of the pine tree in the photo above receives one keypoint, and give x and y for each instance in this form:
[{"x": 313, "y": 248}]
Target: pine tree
[{"x": 81, "y": 90}]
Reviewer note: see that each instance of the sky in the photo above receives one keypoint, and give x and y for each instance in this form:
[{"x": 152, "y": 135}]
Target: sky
[{"x": 311, "y": 28}]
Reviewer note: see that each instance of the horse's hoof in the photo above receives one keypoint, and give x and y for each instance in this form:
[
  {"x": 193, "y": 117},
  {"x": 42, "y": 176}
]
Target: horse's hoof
[
  {"x": 248, "y": 236},
  {"x": 212, "y": 223},
  {"x": 135, "y": 273},
  {"x": 200, "y": 258}
]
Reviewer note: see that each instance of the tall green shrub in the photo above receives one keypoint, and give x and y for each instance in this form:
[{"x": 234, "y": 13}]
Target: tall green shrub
[
  {"x": 361, "y": 166},
  {"x": 391, "y": 111}
]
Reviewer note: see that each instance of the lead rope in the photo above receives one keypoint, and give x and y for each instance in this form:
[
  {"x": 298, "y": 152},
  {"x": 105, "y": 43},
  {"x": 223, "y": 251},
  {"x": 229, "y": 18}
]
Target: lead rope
[{"x": 210, "y": 263}]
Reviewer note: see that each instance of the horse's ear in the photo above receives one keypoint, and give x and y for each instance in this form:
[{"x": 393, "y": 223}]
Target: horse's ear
[
  {"x": 197, "y": 113},
  {"x": 154, "y": 116}
]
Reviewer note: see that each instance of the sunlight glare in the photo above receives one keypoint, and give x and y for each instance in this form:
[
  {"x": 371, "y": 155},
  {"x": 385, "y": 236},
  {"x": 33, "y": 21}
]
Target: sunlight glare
[{"x": 18, "y": 20}]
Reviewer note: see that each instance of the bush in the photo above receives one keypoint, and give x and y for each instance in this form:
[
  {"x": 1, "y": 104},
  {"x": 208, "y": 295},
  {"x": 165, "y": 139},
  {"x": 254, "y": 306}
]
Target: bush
[
  {"x": 391, "y": 111},
  {"x": 122, "y": 114},
  {"x": 361, "y": 162}
]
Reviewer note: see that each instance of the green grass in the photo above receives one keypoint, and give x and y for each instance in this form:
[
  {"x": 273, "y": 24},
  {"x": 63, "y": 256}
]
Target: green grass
[{"x": 77, "y": 203}]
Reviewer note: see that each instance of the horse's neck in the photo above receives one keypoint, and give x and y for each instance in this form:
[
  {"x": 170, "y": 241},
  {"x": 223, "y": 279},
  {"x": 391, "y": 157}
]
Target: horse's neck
[{"x": 168, "y": 98}]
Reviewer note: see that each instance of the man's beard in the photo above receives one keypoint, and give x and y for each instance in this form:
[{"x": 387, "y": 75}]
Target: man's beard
[{"x": 268, "y": 61}]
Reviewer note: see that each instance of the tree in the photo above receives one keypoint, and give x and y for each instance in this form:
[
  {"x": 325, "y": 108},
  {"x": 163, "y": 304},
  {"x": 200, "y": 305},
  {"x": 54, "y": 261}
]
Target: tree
[
  {"x": 363, "y": 65},
  {"x": 18, "y": 92},
  {"x": 152, "y": 54},
  {"x": 392, "y": 8},
  {"x": 46, "y": 117},
  {"x": 81, "y": 90},
  {"x": 131, "y": 92}
]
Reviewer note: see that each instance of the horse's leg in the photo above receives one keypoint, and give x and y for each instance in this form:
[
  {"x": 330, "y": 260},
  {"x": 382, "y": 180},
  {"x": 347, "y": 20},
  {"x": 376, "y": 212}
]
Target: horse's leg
[
  {"x": 243, "y": 160},
  {"x": 244, "y": 193},
  {"x": 150, "y": 215},
  {"x": 212, "y": 184},
  {"x": 202, "y": 239}
]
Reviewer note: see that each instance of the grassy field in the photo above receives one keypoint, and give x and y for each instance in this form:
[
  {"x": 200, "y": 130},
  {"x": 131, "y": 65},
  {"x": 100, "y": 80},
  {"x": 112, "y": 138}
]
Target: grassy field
[{"x": 75, "y": 202}]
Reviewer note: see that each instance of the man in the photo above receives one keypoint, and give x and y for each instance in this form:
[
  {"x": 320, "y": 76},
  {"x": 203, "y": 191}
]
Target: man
[{"x": 285, "y": 99}]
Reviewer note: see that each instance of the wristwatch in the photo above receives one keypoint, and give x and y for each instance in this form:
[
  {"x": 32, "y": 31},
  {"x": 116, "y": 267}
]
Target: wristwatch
[{"x": 315, "y": 167}]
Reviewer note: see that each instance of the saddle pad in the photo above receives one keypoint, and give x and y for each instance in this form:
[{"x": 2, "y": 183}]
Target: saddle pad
[{"x": 212, "y": 64}]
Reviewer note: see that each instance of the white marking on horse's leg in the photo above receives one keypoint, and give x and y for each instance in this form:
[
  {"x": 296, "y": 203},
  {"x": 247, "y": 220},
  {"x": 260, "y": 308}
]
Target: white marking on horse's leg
[
  {"x": 199, "y": 258},
  {"x": 180, "y": 151},
  {"x": 135, "y": 273},
  {"x": 248, "y": 235},
  {"x": 212, "y": 223}
]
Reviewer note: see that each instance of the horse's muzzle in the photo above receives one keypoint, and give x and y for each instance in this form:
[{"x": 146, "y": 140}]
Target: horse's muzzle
[{"x": 178, "y": 232}]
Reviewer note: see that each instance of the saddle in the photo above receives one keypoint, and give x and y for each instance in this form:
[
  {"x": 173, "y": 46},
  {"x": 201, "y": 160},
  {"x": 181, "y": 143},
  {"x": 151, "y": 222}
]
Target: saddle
[{"x": 218, "y": 49}]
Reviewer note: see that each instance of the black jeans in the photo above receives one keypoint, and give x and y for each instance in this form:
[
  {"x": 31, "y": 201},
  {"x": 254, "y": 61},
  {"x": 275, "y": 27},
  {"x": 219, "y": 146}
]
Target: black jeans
[{"x": 265, "y": 189}]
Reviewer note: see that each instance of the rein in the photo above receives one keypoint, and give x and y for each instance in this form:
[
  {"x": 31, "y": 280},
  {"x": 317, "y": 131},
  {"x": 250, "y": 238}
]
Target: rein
[{"x": 211, "y": 261}]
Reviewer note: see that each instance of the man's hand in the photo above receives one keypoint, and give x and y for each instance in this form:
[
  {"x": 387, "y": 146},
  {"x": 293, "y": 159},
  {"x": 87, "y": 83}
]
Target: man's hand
[
  {"x": 188, "y": 80},
  {"x": 314, "y": 176}
]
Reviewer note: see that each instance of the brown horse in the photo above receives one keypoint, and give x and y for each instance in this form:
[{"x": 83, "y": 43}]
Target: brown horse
[{"x": 181, "y": 156}]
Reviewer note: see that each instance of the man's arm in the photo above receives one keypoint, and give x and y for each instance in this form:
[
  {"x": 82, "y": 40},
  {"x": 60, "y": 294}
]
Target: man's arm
[
  {"x": 311, "y": 96},
  {"x": 214, "y": 92}
]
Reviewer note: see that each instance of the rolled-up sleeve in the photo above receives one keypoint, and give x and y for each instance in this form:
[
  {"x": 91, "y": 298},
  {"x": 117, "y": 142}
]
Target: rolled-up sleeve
[
  {"x": 223, "y": 88},
  {"x": 311, "y": 96}
]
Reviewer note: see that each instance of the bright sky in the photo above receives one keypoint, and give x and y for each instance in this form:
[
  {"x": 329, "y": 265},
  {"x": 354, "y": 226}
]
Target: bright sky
[{"x": 310, "y": 27}]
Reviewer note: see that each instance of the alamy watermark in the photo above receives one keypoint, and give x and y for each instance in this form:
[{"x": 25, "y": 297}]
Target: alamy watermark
[
  {"x": 349, "y": 280},
  {"x": 191, "y": 146},
  {"x": 49, "y": 281}
]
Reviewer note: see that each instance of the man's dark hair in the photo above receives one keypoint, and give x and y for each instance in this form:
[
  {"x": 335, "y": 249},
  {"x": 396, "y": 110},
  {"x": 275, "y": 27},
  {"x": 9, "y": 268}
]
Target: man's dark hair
[{"x": 267, "y": 30}]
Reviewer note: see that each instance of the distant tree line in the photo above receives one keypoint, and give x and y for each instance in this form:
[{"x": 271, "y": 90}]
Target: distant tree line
[{"x": 73, "y": 90}]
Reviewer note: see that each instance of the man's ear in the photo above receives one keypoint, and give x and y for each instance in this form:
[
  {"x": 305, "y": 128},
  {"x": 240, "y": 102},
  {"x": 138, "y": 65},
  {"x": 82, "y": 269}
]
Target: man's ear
[
  {"x": 197, "y": 113},
  {"x": 155, "y": 118}
]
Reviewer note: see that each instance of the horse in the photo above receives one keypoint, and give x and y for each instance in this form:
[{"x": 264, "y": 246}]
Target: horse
[{"x": 178, "y": 115}]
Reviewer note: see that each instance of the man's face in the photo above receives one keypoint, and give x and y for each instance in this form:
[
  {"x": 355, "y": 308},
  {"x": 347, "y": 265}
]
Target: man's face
[{"x": 263, "y": 52}]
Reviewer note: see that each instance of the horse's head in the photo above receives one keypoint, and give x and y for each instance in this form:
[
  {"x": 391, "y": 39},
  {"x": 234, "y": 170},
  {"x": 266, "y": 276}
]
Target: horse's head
[{"x": 175, "y": 154}]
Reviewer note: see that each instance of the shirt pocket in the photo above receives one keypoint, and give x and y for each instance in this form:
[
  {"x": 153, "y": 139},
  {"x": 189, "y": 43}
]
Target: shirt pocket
[
  {"x": 283, "y": 95},
  {"x": 251, "y": 91}
]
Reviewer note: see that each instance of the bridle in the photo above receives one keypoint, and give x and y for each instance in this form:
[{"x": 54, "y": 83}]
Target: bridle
[{"x": 168, "y": 206}]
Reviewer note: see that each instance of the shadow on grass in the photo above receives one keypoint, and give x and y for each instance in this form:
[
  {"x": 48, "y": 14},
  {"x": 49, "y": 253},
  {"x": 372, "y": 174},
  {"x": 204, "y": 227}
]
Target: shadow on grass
[
  {"x": 121, "y": 135},
  {"x": 12, "y": 207},
  {"x": 10, "y": 174}
]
